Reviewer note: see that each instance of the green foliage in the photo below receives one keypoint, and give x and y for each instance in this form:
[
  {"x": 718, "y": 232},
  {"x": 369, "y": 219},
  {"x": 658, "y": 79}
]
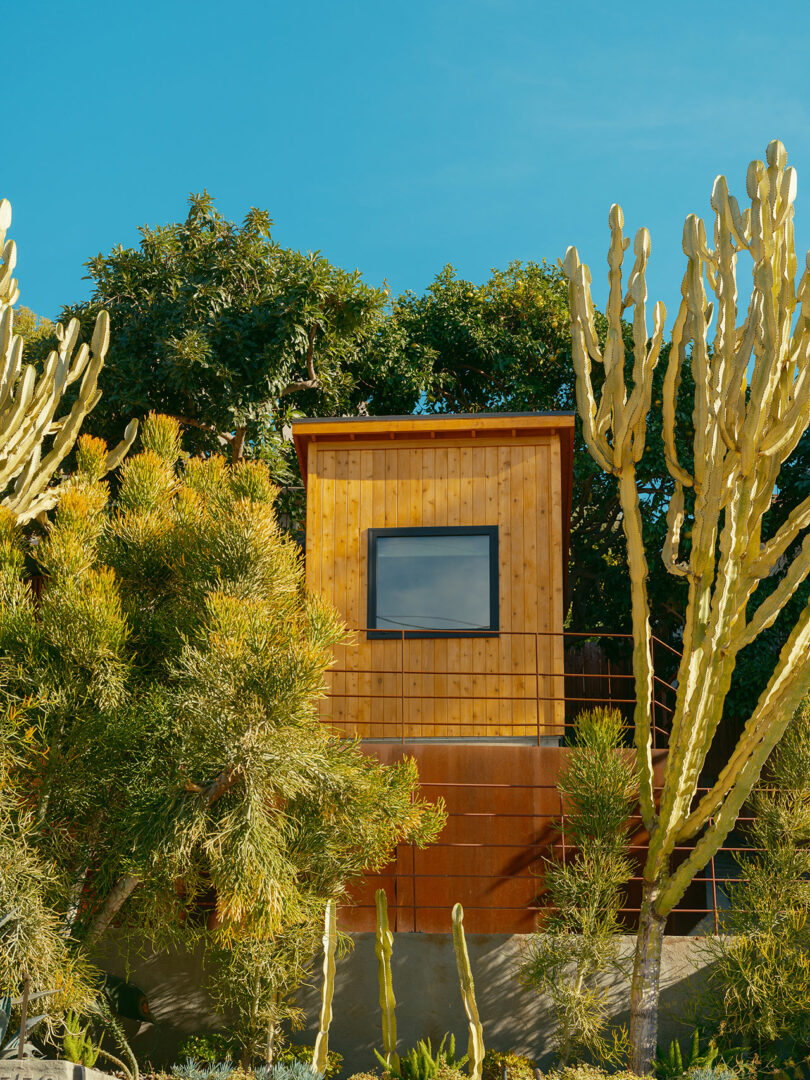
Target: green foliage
[
  {"x": 587, "y": 1072},
  {"x": 9, "y": 1047},
  {"x": 579, "y": 942},
  {"x": 77, "y": 1045},
  {"x": 219, "y": 324},
  {"x": 196, "y": 1070},
  {"x": 210, "y": 1047},
  {"x": 295, "y": 1052},
  {"x": 169, "y": 767},
  {"x": 289, "y": 1070},
  {"x": 507, "y": 1066},
  {"x": 709, "y": 1072},
  {"x": 759, "y": 989},
  {"x": 420, "y": 1062},
  {"x": 672, "y": 1064}
]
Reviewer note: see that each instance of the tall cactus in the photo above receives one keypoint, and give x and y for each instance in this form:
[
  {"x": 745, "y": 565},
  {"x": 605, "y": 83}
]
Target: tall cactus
[
  {"x": 751, "y": 407},
  {"x": 321, "y": 1052},
  {"x": 384, "y": 947},
  {"x": 29, "y": 399},
  {"x": 475, "y": 1045}
]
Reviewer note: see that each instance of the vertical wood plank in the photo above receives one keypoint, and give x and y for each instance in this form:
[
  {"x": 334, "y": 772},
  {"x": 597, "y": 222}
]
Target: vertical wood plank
[
  {"x": 492, "y": 645},
  {"x": 556, "y": 579},
  {"x": 339, "y": 585},
  {"x": 391, "y": 650},
  {"x": 438, "y": 646},
  {"x": 327, "y": 560},
  {"x": 352, "y": 602},
  {"x": 478, "y": 646},
  {"x": 506, "y": 556},
  {"x": 365, "y": 522},
  {"x": 454, "y": 465},
  {"x": 532, "y": 647}
]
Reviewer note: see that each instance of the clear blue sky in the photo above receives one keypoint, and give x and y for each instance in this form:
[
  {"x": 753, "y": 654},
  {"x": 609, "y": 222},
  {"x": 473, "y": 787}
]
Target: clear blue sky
[{"x": 393, "y": 137}]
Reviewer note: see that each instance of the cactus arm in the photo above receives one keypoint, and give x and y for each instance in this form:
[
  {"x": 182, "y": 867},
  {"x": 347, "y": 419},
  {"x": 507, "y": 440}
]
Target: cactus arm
[
  {"x": 475, "y": 1045},
  {"x": 321, "y": 1051},
  {"x": 383, "y": 947},
  {"x": 29, "y": 400},
  {"x": 768, "y": 611},
  {"x": 777, "y": 703},
  {"x": 628, "y": 420}
]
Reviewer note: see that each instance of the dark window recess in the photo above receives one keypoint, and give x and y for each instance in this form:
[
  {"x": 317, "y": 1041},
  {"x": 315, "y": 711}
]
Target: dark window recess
[{"x": 439, "y": 582}]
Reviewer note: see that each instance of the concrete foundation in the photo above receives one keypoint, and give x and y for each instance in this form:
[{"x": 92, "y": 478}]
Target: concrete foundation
[
  {"x": 429, "y": 1001},
  {"x": 427, "y": 992}
]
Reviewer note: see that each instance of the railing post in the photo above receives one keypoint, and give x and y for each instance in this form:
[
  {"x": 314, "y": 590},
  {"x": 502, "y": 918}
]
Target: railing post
[
  {"x": 402, "y": 685},
  {"x": 537, "y": 682},
  {"x": 714, "y": 891}
]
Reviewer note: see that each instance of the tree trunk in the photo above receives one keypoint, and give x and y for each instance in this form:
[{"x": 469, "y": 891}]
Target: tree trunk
[
  {"x": 645, "y": 989},
  {"x": 238, "y": 445},
  {"x": 112, "y": 905}
]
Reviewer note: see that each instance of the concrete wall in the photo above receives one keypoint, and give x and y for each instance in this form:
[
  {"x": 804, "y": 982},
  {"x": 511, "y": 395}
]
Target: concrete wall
[
  {"x": 429, "y": 1001},
  {"x": 427, "y": 992}
]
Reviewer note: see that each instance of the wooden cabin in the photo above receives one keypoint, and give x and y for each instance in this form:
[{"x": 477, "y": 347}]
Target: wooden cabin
[{"x": 442, "y": 541}]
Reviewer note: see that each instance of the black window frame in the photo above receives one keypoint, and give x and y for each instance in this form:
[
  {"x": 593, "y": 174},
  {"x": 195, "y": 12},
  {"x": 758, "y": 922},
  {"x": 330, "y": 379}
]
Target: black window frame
[{"x": 491, "y": 531}]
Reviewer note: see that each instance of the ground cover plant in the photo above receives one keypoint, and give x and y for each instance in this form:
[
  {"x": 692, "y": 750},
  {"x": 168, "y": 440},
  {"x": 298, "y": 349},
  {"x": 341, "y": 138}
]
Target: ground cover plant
[
  {"x": 751, "y": 406},
  {"x": 163, "y": 753}
]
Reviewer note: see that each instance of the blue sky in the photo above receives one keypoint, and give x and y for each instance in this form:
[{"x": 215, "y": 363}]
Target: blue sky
[{"x": 393, "y": 137}]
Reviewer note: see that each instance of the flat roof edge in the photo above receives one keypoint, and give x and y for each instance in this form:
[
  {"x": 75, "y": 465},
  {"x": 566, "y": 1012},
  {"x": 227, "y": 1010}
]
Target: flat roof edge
[{"x": 427, "y": 418}]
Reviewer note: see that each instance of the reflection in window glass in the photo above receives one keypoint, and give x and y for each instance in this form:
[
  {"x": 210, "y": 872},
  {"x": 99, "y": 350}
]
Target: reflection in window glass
[{"x": 433, "y": 583}]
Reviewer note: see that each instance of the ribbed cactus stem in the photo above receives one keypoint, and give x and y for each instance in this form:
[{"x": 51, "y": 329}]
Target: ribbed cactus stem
[
  {"x": 475, "y": 1044},
  {"x": 384, "y": 948},
  {"x": 29, "y": 399},
  {"x": 321, "y": 1051}
]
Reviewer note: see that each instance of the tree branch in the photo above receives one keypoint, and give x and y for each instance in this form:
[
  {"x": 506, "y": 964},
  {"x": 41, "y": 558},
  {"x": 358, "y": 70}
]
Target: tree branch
[
  {"x": 312, "y": 382},
  {"x": 218, "y": 787},
  {"x": 112, "y": 905},
  {"x": 189, "y": 421}
]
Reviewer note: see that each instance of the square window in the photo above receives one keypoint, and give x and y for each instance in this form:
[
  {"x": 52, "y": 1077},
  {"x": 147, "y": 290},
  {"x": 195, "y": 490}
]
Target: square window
[{"x": 440, "y": 582}]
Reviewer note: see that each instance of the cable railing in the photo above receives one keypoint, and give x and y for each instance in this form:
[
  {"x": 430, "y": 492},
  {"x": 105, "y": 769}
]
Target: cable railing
[
  {"x": 492, "y": 861},
  {"x": 521, "y": 685}
]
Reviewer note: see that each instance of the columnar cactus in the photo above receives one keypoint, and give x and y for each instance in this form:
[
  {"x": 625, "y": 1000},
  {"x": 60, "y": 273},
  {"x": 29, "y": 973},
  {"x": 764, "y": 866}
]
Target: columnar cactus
[
  {"x": 751, "y": 407},
  {"x": 321, "y": 1052},
  {"x": 29, "y": 399},
  {"x": 475, "y": 1044},
  {"x": 383, "y": 948}
]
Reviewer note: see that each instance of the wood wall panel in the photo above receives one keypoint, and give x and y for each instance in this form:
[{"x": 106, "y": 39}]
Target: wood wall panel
[{"x": 444, "y": 687}]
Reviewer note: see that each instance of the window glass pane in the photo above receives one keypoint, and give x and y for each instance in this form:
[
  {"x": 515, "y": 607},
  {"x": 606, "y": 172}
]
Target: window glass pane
[{"x": 433, "y": 582}]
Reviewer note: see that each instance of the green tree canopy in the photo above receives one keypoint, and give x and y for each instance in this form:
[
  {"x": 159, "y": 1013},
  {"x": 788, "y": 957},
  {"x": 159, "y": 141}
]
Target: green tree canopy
[{"x": 221, "y": 327}]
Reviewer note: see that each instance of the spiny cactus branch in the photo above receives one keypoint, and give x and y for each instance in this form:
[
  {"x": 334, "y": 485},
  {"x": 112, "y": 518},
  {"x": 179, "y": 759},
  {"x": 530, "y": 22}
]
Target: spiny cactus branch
[
  {"x": 751, "y": 406},
  {"x": 29, "y": 399}
]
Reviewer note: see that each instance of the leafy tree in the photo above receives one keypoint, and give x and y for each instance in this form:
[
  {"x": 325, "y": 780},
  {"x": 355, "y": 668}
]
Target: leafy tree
[
  {"x": 221, "y": 327},
  {"x": 176, "y": 774}
]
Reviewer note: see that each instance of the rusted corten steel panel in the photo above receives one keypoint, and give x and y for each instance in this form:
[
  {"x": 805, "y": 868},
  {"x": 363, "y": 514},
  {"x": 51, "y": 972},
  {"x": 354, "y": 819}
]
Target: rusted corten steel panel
[
  {"x": 508, "y": 471},
  {"x": 503, "y": 810}
]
